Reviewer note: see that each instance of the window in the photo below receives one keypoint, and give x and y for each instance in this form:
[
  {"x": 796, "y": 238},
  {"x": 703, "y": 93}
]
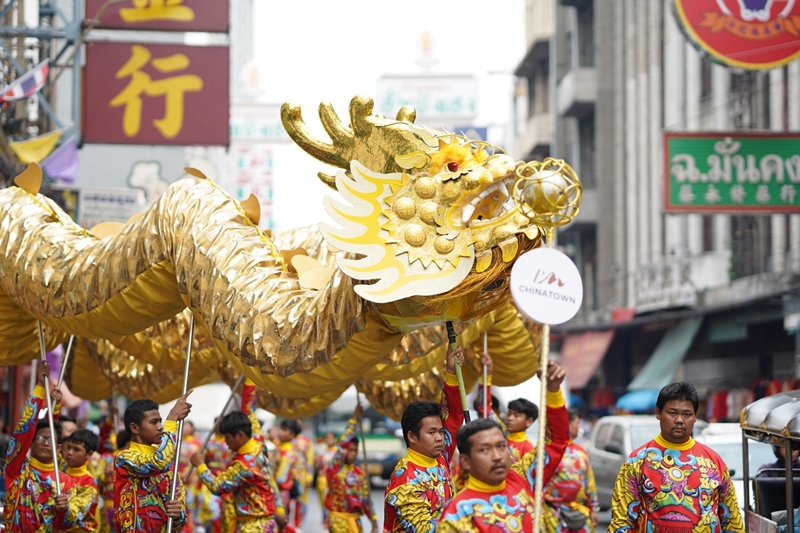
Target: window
[
  {"x": 586, "y": 35},
  {"x": 708, "y": 233},
  {"x": 618, "y": 436},
  {"x": 706, "y": 86},
  {"x": 604, "y": 432},
  {"x": 587, "y": 151}
]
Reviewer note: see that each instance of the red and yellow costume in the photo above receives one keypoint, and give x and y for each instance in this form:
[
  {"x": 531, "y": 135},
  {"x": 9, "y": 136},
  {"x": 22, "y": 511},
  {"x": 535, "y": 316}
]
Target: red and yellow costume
[
  {"x": 483, "y": 508},
  {"x": 143, "y": 477},
  {"x": 305, "y": 450},
  {"x": 218, "y": 457},
  {"x": 291, "y": 472},
  {"x": 572, "y": 487},
  {"x": 348, "y": 489},
  {"x": 421, "y": 487},
  {"x": 247, "y": 478},
  {"x": 104, "y": 476},
  {"x": 30, "y": 484},
  {"x": 84, "y": 496},
  {"x": 671, "y": 488},
  {"x": 321, "y": 463}
]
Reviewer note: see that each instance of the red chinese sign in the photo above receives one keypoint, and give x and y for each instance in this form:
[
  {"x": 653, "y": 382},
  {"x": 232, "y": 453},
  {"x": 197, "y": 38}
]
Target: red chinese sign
[
  {"x": 751, "y": 34},
  {"x": 156, "y": 94},
  {"x": 167, "y": 15}
]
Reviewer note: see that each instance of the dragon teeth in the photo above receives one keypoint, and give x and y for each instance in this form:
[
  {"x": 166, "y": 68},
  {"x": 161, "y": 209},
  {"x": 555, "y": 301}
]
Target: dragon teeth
[{"x": 467, "y": 214}]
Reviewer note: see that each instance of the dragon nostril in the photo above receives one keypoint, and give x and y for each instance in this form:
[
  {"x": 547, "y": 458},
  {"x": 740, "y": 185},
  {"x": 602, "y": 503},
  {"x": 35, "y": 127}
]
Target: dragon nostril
[{"x": 452, "y": 166}]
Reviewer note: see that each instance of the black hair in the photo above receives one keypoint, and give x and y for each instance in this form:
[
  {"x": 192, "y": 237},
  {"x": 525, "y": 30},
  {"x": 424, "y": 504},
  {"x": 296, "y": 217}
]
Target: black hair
[
  {"x": 292, "y": 424},
  {"x": 465, "y": 433},
  {"x": 681, "y": 391},
  {"x": 413, "y": 415},
  {"x": 123, "y": 438},
  {"x": 495, "y": 403},
  {"x": 134, "y": 414},
  {"x": 234, "y": 422},
  {"x": 45, "y": 424},
  {"x": 89, "y": 440},
  {"x": 65, "y": 418},
  {"x": 573, "y": 413},
  {"x": 526, "y": 407}
]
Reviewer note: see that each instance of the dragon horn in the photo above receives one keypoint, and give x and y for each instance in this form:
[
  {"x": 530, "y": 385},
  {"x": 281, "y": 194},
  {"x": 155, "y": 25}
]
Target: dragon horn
[
  {"x": 331, "y": 154},
  {"x": 407, "y": 113}
]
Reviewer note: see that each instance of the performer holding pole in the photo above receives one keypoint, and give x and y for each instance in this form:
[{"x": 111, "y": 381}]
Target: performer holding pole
[
  {"x": 216, "y": 423},
  {"x": 451, "y": 335}
]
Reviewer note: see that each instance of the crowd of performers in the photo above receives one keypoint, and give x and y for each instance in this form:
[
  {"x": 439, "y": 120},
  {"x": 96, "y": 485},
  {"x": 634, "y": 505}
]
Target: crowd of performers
[{"x": 238, "y": 485}]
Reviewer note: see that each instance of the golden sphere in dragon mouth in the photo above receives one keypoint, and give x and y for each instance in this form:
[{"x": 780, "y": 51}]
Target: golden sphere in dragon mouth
[
  {"x": 443, "y": 245},
  {"x": 404, "y": 208},
  {"x": 425, "y": 187},
  {"x": 415, "y": 235},
  {"x": 428, "y": 212}
]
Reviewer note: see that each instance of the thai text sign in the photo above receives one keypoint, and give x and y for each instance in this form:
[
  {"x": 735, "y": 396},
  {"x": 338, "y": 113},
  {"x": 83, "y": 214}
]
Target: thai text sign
[
  {"x": 109, "y": 205},
  {"x": 156, "y": 94},
  {"x": 752, "y": 34},
  {"x": 434, "y": 97},
  {"x": 168, "y": 15},
  {"x": 732, "y": 172}
]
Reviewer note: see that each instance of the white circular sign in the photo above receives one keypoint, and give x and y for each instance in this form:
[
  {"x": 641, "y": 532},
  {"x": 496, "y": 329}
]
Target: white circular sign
[{"x": 546, "y": 286}]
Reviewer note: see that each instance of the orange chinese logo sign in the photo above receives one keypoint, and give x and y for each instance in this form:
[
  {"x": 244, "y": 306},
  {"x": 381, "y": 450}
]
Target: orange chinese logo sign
[
  {"x": 156, "y": 94},
  {"x": 751, "y": 34},
  {"x": 168, "y": 15}
]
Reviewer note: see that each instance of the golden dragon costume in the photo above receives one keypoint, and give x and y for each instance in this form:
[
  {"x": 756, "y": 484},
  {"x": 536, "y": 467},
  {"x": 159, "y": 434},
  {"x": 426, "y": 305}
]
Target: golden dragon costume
[{"x": 425, "y": 231}]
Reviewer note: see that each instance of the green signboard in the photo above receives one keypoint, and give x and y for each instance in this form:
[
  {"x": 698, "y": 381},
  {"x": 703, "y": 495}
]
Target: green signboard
[{"x": 732, "y": 172}]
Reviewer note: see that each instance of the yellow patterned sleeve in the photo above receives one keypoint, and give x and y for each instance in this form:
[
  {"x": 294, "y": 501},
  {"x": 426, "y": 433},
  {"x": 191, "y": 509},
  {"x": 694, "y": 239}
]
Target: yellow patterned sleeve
[
  {"x": 730, "y": 516},
  {"x": 626, "y": 492},
  {"x": 232, "y": 478}
]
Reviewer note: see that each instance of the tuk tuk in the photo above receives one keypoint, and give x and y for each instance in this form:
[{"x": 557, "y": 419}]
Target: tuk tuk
[{"x": 774, "y": 420}]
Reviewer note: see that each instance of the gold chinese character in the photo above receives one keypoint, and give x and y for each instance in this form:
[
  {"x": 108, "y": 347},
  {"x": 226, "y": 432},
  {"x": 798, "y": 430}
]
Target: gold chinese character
[
  {"x": 172, "y": 89},
  {"x": 146, "y": 10}
]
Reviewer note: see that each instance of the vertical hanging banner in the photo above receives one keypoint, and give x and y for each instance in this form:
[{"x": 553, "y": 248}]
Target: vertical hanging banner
[
  {"x": 156, "y": 94},
  {"x": 164, "y": 15},
  {"x": 751, "y": 34}
]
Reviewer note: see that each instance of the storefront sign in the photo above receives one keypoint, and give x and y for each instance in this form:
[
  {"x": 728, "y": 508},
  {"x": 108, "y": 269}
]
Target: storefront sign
[
  {"x": 108, "y": 205},
  {"x": 546, "y": 286},
  {"x": 156, "y": 94},
  {"x": 726, "y": 172},
  {"x": 751, "y": 34},
  {"x": 166, "y": 15},
  {"x": 435, "y": 98}
]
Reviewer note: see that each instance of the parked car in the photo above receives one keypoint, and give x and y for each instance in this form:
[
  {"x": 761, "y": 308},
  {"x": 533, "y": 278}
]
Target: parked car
[
  {"x": 613, "y": 439},
  {"x": 726, "y": 440}
]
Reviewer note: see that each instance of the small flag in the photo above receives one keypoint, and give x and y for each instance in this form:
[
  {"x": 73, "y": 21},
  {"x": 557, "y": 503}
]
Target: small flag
[
  {"x": 27, "y": 84},
  {"x": 62, "y": 164},
  {"x": 37, "y": 148}
]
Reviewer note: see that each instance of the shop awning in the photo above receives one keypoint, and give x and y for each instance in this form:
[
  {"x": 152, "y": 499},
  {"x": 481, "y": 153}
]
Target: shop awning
[
  {"x": 581, "y": 354},
  {"x": 661, "y": 367}
]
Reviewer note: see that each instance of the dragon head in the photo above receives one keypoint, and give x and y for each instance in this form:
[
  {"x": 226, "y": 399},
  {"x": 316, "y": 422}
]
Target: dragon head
[{"x": 429, "y": 220}]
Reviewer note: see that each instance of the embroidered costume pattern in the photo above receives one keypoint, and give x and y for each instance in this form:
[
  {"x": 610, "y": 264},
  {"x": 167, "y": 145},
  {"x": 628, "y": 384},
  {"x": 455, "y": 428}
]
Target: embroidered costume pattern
[
  {"x": 510, "y": 506},
  {"x": 143, "y": 475},
  {"x": 83, "y": 498},
  {"x": 30, "y": 484},
  {"x": 670, "y": 488},
  {"x": 421, "y": 487},
  {"x": 572, "y": 487},
  {"x": 348, "y": 489}
]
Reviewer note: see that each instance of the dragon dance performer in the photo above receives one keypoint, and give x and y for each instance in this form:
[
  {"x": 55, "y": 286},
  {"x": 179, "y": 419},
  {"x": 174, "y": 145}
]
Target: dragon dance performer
[
  {"x": 218, "y": 456},
  {"x": 500, "y": 495},
  {"x": 291, "y": 471},
  {"x": 348, "y": 487},
  {"x": 522, "y": 414},
  {"x": 421, "y": 485},
  {"x": 31, "y": 500},
  {"x": 572, "y": 493},
  {"x": 305, "y": 449},
  {"x": 196, "y": 515},
  {"x": 110, "y": 446},
  {"x": 143, "y": 472},
  {"x": 254, "y": 496},
  {"x": 321, "y": 462},
  {"x": 77, "y": 449},
  {"x": 673, "y": 484}
]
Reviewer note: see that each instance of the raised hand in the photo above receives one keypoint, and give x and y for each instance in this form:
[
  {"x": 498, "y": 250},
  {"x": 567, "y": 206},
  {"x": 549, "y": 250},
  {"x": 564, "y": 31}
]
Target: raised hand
[
  {"x": 181, "y": 409},
  {"x": 452, "y": 357},
  {"x": 486, "y": 360},
  {"x": 43, "y": 372},
  {"x": 555, "y": 376}
]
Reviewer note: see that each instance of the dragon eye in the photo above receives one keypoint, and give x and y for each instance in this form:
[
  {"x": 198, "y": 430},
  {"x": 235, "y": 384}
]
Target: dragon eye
[{"x": 452, "y": 166}]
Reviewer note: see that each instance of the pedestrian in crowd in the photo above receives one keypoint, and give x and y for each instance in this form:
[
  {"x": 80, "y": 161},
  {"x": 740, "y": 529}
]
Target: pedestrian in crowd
[
  {"x": 571, "y": 495},
  {"x": 673, "y": 484},
  {"x": 521, "y": 415},
  {"x": 321, "y": 462},
  {"x": 780, "y": 462},
  {"x": 305, "y": 450},
  {"x": 500, "y": 493},
  {"x": 77, "y": 450},
  {"x": 348, "y": 495},
  {"x": 291, "y": 472},
  {"x": 421, "y": 485},
  {"x": 143, "y": 472}
]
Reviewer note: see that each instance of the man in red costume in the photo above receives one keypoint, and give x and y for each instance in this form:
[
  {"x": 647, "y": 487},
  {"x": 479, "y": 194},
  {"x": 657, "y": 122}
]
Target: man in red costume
[
  {"x": 421, "y": 485},
  {"x": 500, "y": 496}
]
